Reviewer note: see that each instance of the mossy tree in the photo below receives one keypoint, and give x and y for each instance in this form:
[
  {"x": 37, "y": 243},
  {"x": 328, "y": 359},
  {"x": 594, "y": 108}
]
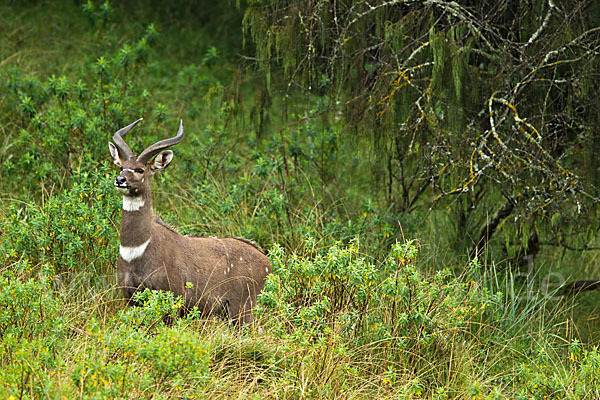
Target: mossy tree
[{"x": 488, "y": 109}]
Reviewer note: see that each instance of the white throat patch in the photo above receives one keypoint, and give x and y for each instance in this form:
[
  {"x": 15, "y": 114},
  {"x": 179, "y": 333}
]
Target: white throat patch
[
  {"x": 133, "y": 203},
  {"x": 131, "y": 253}
]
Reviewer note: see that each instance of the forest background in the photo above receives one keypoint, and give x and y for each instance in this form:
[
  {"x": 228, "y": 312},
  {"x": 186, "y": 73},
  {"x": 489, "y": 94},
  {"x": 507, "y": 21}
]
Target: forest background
[{"x": 422, "y": 174}]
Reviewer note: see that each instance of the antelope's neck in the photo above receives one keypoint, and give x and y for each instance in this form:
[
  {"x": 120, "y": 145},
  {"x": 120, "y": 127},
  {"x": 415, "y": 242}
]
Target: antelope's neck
[{"x": 136, "y": 220}]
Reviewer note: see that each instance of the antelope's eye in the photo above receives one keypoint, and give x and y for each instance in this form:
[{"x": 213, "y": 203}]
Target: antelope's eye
[{"x": 139, "y": 171}]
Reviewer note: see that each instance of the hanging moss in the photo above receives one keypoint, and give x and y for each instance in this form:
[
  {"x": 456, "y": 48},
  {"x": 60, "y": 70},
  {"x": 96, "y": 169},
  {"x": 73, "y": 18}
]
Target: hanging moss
[
  {"x": 440, "y": 72},
  {"x": 495, "y": 99}
]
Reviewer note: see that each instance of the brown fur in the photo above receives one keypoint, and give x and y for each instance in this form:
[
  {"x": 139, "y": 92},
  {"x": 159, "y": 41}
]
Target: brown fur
[{"x": 215, "y": 274}]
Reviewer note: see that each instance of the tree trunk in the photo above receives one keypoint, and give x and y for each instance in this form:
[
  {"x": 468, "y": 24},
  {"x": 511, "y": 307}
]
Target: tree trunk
[{"x": 490, "y": 228}]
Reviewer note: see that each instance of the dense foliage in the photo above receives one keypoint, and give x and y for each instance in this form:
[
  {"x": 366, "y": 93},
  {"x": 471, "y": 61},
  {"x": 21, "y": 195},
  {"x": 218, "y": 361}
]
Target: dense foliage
[
  {"x": 362, "y": 144},
  {"x": 487, "y": 108}
]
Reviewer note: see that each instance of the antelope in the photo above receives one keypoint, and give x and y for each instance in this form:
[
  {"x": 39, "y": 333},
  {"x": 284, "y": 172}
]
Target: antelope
[{"x": 218, "y": 275}]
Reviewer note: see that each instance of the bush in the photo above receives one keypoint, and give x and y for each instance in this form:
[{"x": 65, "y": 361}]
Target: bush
[
  {"x": 33, "y": 330},
  {"x": 338, "y": 286},
  {"x": 136, "y": 353},
  {"x": 334, "y": 303},
  {"x": 73, "y": 230},
  {"x": 61, "y": 122}
]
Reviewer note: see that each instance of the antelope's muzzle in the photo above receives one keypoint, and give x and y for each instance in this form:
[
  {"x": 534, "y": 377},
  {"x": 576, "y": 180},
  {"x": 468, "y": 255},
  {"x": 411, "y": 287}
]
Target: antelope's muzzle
[{"x": 121, "y": 182}]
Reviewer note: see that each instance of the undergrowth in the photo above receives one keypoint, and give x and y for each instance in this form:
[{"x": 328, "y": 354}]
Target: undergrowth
[{"x": 332, "y": 325}]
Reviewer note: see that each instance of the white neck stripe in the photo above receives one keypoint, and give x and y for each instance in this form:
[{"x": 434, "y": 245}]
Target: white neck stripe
[
  {"x": 131, "y": 253},
  {"x": 133, "y": 203}
]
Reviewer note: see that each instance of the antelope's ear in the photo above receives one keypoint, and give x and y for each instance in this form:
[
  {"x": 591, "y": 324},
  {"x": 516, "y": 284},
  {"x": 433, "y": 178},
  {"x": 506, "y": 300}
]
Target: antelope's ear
[
  {"x": 162, "y": 160},
  {"x": 114, "y": 153}
]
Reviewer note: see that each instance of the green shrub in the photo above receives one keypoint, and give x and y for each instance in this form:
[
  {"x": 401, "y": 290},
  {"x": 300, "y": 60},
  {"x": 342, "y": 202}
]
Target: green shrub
[
  {"x": 73, "y": 230},
  {"x": 29, "y": 309},
  {"x": 136, "y": 353},
  {"x": 338, "y": 286},
  {"x": 62, "y": 121},
  {"x": 334, "y": 304},
  {"x": 575, "y": 376},
  {"x": 33, "y": 330},
  {"x": 157, "y": 307}
]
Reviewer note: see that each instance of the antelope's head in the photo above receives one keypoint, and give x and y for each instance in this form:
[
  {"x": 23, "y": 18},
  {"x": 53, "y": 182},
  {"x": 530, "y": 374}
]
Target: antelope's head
[{"x": 134, "y": 179}]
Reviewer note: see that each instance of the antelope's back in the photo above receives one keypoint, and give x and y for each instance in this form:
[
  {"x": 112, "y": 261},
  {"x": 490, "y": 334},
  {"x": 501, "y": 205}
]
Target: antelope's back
[
  {"x": 225, "y": 262},
  {"x": 251, "y": 258}
]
